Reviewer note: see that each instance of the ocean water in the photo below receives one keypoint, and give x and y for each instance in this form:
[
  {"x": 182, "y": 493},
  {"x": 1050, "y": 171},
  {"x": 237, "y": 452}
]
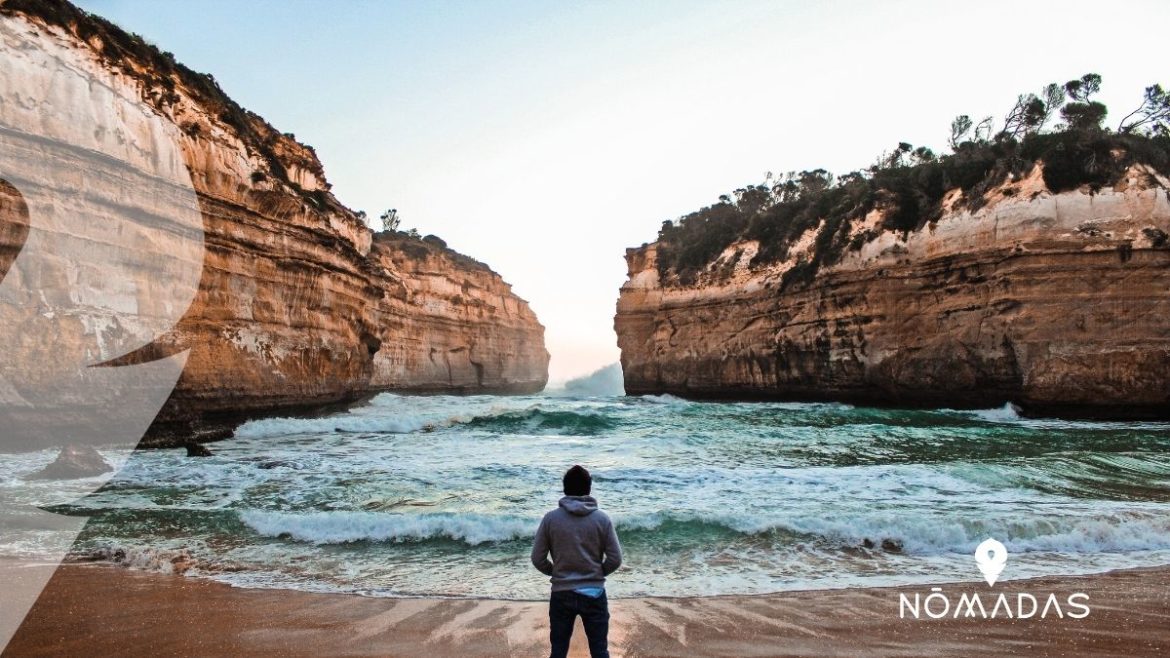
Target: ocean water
[{"x": 440, "y": 496}]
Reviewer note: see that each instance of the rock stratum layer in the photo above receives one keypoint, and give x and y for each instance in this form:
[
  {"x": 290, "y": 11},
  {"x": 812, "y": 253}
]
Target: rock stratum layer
[
  {"x": 1059, "y": 303},
  {"x": 300, "y": 304}
]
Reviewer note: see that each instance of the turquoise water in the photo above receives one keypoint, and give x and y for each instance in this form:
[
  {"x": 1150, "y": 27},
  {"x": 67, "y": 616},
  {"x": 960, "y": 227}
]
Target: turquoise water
[{"x": 441, "y": 495}]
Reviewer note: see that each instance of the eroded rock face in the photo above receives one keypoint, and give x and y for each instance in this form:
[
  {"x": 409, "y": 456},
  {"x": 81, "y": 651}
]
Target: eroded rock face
[
  {"x": 300, "y": 305},
  {"x": 1057, "y": 302}
]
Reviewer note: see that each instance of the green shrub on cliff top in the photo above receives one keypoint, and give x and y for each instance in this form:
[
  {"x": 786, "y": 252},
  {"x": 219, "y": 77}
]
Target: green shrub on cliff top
[{"x": 909, "y": 183}]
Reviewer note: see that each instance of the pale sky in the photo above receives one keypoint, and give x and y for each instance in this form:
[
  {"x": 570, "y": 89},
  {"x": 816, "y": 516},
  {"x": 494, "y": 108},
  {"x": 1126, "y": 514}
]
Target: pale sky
[{"x": 546, "y": 138}]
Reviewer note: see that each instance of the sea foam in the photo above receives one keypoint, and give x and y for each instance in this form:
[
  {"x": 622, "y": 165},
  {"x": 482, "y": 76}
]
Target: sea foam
[
  {"x": 348, "y": 527},
  {"x": 271, "y": 427}
]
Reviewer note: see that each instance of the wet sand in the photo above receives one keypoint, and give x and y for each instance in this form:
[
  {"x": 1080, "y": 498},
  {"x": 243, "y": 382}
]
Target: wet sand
[{"x": 100, "y": 610}]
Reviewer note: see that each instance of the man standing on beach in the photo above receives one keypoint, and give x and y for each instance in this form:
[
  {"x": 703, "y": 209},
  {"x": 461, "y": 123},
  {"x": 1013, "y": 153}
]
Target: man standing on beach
[{"x": 585, "y": 550}]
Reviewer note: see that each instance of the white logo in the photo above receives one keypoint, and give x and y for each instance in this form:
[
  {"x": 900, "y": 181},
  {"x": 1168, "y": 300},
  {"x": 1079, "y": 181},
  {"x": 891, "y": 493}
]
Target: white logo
[{"x": 990, "y": 557}]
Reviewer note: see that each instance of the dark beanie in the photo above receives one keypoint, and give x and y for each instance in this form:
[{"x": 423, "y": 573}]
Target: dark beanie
[{"x": 577, "y": 481}]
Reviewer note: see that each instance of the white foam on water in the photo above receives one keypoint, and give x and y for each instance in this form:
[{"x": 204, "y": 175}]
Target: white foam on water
[
  {"x": 142, "y": 558},
  {"x": 1011, "y": 414},
  {"x": 1008, "y": 413},
  {"x": 665, "y": 398},
  {"x": 387, "y": 413},
  {"x": 935, "y": 534},
  {"x": 276, "y": 427},
  {"x": 928, "y": 534},
  {"x": 348, "y": 527}
]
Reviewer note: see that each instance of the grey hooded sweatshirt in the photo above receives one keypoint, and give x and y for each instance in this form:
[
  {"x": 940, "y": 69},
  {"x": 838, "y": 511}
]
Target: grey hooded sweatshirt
[{"x": 583, "y": 544}]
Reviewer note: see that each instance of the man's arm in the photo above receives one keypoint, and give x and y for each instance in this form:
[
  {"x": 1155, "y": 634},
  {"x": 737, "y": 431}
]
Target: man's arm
[
  {"x": 613, "y": 550},
  {"x": 540, "y": 549}
]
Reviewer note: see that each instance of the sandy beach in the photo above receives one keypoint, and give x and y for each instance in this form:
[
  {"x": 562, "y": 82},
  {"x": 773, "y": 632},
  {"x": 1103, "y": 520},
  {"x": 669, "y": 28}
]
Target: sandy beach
[{"x": 103, "y": 610}]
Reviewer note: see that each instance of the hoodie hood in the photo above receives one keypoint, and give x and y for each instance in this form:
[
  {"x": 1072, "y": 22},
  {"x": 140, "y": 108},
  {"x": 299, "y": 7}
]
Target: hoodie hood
[{"x": 579, "y": 505}]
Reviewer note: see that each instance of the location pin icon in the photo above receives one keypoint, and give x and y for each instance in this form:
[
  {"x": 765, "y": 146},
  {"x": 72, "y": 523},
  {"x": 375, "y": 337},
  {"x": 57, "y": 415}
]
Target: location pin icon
[{"x": 991, "y": 556}]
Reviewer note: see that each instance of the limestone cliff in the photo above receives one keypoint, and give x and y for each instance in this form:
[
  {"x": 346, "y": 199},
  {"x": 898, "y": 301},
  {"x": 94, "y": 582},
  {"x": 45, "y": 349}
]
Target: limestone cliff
[
  {"x": 1059, "y": 302},
  {"x": 300, "y": 305}
]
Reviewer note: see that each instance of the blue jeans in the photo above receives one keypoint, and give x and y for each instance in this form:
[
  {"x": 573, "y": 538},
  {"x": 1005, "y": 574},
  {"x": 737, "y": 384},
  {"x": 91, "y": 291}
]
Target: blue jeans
[{"x": 563, "y": 608}]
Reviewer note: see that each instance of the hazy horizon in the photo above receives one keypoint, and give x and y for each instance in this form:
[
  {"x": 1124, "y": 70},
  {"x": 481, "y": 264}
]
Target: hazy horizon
[{"x": 546, "y": 139}]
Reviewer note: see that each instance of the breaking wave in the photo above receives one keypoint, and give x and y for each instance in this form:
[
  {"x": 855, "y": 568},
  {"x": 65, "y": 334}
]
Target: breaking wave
[
  {"x": 272, "y": 427},
  {"x": 350, "y": 527},
  {"x": 1129, "y": 531}
]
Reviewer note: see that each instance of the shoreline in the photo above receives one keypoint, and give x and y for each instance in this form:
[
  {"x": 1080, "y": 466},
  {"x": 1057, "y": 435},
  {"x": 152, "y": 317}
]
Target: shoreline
[
  {"x": 102, "y": 609},
  {"x": 77, "y": 560}
]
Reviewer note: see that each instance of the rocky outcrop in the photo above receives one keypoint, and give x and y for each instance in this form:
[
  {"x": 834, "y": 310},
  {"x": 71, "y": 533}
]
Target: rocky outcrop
[
  {"x": 300, "y": 305},
  {"x": 74, "y": 462},
  {"x": 1059, "y": 303}
]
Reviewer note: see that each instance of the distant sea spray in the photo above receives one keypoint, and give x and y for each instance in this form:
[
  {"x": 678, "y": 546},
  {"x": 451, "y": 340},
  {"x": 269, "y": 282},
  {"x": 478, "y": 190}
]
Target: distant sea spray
[{"x": 602, "y": 382}]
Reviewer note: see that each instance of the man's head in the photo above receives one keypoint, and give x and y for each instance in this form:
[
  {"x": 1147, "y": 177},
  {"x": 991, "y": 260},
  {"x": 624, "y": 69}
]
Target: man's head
[{"x": 577, "y": 481}]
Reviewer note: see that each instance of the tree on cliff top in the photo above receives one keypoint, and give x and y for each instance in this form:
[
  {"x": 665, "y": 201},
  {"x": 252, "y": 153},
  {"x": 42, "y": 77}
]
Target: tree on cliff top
[
  {"x": 1152, "y": 115},
  {"x": 390, "y": 220},
  {"x": 1082, "y": 114}
]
